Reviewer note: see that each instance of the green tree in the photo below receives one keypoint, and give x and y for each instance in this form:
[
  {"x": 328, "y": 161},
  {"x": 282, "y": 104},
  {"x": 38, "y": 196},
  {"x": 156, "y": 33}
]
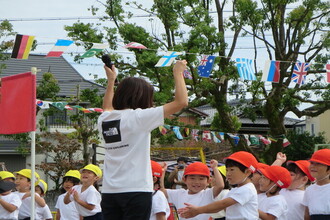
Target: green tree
[
  {"x": 61, "y": 149},
  {"x": 302, "y": 145},
  {"x": 190, "y": 25},
  {"x": 6, "y": 30}
]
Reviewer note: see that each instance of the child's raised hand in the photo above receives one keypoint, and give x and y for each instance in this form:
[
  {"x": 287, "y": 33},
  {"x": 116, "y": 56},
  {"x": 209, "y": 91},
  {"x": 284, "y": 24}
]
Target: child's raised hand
[
  {"x": 214, "y": 164},
  {"x": 111, "y": 72},
  {"x": 281, "y": 157},
  {"x": 179, "y": 67},
  {"x": 189, "y": 211}
]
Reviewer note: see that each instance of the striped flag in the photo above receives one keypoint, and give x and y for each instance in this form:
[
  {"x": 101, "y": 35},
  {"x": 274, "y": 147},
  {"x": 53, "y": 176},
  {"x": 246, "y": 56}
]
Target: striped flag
[
  {"x": 245, "y": 69},
  {"x": 327, "y": 69},
  {"x": 22, "y": 46},
  {"x": 59, "y": 48},
  {"x": 96, "y": 48},
  {"x": 271, "y": 71}
]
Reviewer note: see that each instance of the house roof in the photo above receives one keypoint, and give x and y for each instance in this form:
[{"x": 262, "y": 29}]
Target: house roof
[
  {"x": 68, "y": 77},
  {"x": 259, "y": 121}
]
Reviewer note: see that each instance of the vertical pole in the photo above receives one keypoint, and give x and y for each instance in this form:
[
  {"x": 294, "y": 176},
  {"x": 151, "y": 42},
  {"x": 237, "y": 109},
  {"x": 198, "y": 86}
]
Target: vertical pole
[{"x": 33, "y": 163}]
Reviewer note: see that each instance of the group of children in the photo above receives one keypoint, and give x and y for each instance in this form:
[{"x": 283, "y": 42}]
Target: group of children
[
  {"x": 80, "y": 198},
  {"x": 257, "y": 191}
]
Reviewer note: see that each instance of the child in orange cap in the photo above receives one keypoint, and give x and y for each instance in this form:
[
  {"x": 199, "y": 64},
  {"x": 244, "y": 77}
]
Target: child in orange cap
[
  {"x": 294, "y": 194},
  {"x": 241, "y": 202},
  {"x": 273, "y": 179},
  {"x": 85, "y": 196},
  {"x": 160, "y": 209},
  {"x": 316, "y": 198},
  {"x": 197, "y": 178}
]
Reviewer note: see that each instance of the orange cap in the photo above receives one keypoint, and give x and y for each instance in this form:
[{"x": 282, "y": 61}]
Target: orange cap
[
  {"x": 321, "y": 156},
  {"x": 197, "y": 168},
  {"x": 303, "y": 166},
  {"x": 156, "y": 169},
  {"x": 278, "y": 175},
  {"x": 244, "y": 158}
]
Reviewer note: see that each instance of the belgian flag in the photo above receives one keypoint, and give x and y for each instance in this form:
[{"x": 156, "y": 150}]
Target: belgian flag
[{"x": 22, "y": 47}]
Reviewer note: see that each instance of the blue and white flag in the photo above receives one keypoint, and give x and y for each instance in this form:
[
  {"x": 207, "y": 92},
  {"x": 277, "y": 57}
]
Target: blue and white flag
[
  {"x": 205, "y": 66},
  {"x": 245, "y": 69},
  {"x": 167, "y": 59},
  {"x": 177, "y": 132},
  {"x": 215, "y": 138}
]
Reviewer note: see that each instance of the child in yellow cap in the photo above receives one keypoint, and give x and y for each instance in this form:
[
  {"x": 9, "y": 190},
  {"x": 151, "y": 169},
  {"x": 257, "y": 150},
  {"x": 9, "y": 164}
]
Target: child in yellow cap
[
  {"x": 43, "y": 212},
  {"x": 197, "y": 178},
  {"x": 23, "y": 186},
  {"x": 67, "y": 211},
  {"x": 7, "y": 176},
  {"x": 85, "y": 196}
]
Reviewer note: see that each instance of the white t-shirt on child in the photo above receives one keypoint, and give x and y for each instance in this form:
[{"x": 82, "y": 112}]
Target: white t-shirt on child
[
  {"x": 91, "y": 196},
  {"x": 13, "y": 199},
  {"x": 317, "y": 199},
  {"x": 44, "y": 212},
  {"x": 180, "y": 196},
  {"x": 159, "y": 204},
  {"x": 276, "y": 206},
  {"x": 127, "y": 136},
  {"x": 67, "y": 211},
  {"x": 246, "y": 207},
  {"x": 294, "y": 199},
  {"x": 25, "y": 209}
]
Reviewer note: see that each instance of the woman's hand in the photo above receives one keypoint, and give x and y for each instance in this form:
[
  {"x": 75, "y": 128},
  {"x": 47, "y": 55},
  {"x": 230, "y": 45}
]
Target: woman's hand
[{"x": 111, "y": 73}]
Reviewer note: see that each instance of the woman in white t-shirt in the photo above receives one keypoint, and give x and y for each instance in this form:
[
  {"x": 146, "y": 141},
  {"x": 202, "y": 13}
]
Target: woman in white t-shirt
[{"x": 125, "y": 125}]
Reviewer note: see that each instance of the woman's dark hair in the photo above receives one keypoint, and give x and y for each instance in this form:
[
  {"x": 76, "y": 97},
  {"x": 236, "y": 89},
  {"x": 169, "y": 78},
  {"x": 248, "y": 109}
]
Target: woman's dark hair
[
  {"x": 133, "y": 93},
  {"x": 233, "y": 163}
]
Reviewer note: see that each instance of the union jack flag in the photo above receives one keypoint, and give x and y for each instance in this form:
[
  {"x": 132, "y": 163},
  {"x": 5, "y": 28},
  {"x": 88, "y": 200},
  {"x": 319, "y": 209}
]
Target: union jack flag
[
  {"x": 300, "y": 72},
  {"x": 194, "y": 134}
]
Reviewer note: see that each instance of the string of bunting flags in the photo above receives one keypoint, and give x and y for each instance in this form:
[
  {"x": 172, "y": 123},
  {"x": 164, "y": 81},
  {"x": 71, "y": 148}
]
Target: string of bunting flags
[
  {"x": 64, "y": 105},
  {"x": 218, "y": 137},
  {"x": 180, "y": 133},
  {"x": 245, "y": 67}
]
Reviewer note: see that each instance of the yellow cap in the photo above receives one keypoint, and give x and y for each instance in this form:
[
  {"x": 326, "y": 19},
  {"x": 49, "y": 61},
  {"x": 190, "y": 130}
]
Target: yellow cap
[
  {"x": 43, "y": 185},
  {"x": 222, "y": 170},
  {"x": 73, "y": 173},
  {"x": 6, "y": 174},
  {"x": 93, "y": 168},
  {"x": 27, "y": 174}
]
